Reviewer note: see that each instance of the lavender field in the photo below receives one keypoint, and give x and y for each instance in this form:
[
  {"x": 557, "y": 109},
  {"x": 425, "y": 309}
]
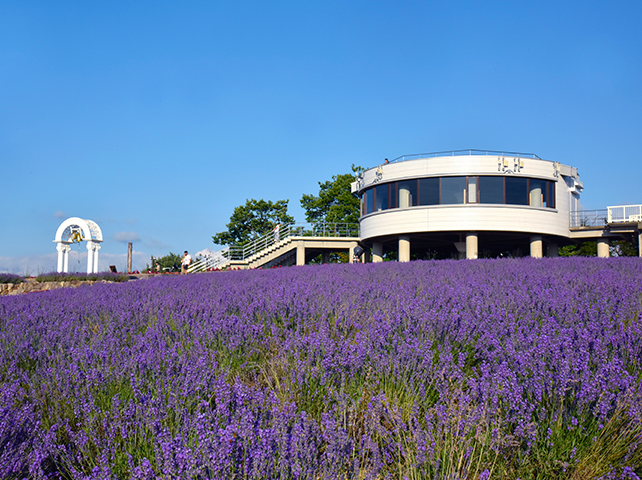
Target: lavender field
[{"x": 437, "y": 370}]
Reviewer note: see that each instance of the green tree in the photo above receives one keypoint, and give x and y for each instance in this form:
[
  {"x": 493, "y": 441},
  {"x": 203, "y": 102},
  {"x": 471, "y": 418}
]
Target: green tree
[
  {"x": 250, "y": 221},
  {"x": 623, "y": 248},
  {"x": 585, "y": 249},
  {"x": 335, "y": 203},
  {"x": 168, "y": 263},
  {"x": 618, "y": 248}
]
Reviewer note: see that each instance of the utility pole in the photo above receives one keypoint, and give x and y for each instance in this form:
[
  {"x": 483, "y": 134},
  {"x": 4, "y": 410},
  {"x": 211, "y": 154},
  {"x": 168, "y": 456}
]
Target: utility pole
[{"x": 129, "y": 256}]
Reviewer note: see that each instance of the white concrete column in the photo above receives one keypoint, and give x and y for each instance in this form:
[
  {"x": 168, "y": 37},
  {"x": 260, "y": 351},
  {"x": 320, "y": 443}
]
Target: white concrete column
[
  {"x": 404, "y": 197},
  {"x": 300, "y": 253},
  {"x": 353, "y": 245},
  {"x": 404, "y": 248},
  {"x": 537, "y": 250},
  {"x": 552, "y": 250},
  {"x": 63, "y": 257},
  {"x": 90, "y": 257},
  {"x": 472, "y": 245},
  {"x": 377, "y": 252},
  {"x": 640, "y": 239},
  {"x": 59, "y": 264},
  {"x": 603, "y": 250},
  {"x": 66, "y": 257}
]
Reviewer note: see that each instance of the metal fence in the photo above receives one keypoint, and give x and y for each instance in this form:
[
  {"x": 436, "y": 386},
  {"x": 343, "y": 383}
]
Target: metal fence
[
  {"x": 458, "y": 153},
  {"x": 332, "y": 230},
  {"x": 589, "y": 218},
  {"x": 602, "y": 217}
]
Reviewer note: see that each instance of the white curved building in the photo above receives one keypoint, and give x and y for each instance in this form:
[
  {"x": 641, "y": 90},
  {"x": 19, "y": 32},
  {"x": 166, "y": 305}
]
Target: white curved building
[{"x": 467, "y": 202}]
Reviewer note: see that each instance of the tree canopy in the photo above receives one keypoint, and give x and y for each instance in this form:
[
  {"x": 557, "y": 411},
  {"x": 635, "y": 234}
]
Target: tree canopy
[
  {"x": 252, "y": 220},
  {"x": 168, "y": 263},
  {"x": 617, "y": 248},
  {"x": 335, "y": 202}
]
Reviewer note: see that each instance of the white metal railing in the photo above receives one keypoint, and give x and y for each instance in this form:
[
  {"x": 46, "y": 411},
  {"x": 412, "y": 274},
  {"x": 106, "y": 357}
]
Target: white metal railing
[
  {"x": 457, "y": 153},
  {"x": 210, "y": 261},
  {"x": 264, "y": 242},
  {"x": 589, "y": 218},
  {"x": 274, "y": 239},
  {"x": 602, "y": 217},
  {"x": 625, "y": 213}
]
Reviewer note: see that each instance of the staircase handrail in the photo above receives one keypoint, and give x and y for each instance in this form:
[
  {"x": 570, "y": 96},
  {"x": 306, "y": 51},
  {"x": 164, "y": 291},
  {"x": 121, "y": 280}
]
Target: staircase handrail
[
  {"x": 272, "y": 238},
  {"x": 210, "y": 261}
]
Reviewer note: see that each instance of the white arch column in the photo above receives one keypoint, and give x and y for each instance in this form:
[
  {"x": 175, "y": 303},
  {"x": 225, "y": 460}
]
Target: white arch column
[
  {"x": 96, "y": 249},
  {"x": 92, "y": 256},
  {"x": 63, "y": 256}
]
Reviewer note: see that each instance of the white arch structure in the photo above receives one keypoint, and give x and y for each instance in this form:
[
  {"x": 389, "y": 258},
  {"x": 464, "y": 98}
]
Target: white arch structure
[{"x": 77, "y": 229}]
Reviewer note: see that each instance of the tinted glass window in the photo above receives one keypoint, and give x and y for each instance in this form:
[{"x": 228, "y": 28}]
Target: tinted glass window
[
  {"x": 452, "y": 190},
  {"x": 408, "y": 188},
  {"x": 394, "y": 195},
  {"x": 516, "y": 191},
  {"x": 381, "y": 197},
  {"x": 369, "y": 204},
  {"x": 429, "y": 191},
  {"x": 491, "y": 189},
  {"x": 550, "y": 194}
]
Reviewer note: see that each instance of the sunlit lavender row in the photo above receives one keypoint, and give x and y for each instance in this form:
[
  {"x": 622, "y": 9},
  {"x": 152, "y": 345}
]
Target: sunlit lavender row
[{"x": 444, "y": 369}]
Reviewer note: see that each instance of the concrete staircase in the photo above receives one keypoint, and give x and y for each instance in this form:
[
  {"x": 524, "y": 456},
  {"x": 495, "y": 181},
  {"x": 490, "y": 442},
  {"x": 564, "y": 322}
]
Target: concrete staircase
[{"x": 294, "y": 244}]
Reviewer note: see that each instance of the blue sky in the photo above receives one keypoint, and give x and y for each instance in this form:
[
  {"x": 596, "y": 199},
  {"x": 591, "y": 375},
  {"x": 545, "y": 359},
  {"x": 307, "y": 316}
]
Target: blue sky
[{"x": 155, "y": 119}]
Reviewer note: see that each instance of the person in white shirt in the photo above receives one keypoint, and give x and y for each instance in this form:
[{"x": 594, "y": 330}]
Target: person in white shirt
[{"x": 187, "y": 259}]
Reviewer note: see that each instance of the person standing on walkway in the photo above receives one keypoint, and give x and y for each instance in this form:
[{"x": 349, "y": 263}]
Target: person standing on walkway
[
  {"x": 277, "y": 233},
  {"x": 187, "y": 259}
]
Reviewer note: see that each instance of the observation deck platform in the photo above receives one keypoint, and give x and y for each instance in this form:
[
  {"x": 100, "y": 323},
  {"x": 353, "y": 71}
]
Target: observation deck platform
[{"x": 621, "y": 221}]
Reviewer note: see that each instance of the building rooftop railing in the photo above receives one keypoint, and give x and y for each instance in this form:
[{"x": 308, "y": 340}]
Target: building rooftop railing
[{"x": 458, "y": 153}]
